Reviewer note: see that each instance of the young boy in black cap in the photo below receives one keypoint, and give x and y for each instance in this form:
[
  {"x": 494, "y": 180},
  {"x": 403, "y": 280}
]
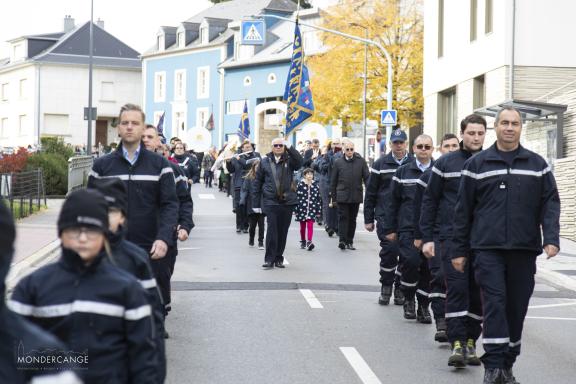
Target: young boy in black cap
[{"x": 92, "y": 306}]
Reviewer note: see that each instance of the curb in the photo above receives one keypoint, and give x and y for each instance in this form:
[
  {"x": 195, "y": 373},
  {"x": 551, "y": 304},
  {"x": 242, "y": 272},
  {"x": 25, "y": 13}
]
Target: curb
[
  {"x": 18, "y": 270},
  {"x": 556, "y": 278}
]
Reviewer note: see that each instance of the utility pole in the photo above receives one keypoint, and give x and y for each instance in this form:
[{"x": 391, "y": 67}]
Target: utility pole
[{"x": 90, "y": 59}]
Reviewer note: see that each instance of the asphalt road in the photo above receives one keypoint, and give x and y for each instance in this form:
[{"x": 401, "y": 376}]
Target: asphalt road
[{"x": 318, "y": 321}]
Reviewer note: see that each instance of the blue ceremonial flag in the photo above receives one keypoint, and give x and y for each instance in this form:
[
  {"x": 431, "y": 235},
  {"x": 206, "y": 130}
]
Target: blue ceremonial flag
[
  {"x": 244, "y": 126},
  {"x": 297, "y": 95},
  {"x": 160, "y": 127}
]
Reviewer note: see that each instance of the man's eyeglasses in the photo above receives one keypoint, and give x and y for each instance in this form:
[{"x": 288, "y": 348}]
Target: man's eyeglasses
[
  {"x": 424, "y": 146},
  {"x": 75, "y": 232},
  {"x": 349, "y": 149},
  {"x": 277, "y": 145}
]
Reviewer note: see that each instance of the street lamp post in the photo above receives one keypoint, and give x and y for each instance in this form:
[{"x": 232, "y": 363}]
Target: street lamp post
[
  {"x": 90, "y": 59},
  {"x": 363, "y": 40},
  {"x": 365, "y": 85}
]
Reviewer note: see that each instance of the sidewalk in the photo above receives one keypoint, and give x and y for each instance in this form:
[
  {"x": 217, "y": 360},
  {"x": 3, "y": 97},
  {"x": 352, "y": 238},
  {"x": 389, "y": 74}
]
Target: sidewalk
[
  {"x": 36, "y": 239},
  {"x": 561, "y": 269}
]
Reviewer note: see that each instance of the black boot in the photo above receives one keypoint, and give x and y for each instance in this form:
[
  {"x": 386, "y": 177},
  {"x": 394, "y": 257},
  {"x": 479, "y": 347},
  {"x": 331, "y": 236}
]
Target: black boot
[
  {"x": 471, "y": 357},
  {"x": 398, "y": 296},
  {"x": 441, "y": 335},
  {"x": 302, "y": 244},
  {"x": 508, "y": 376},
  {"x": 410, "y": 309},
  {"x": 493, "y": 376},
  {"x": 385, "y": 295},
  {"x": 423, "y": 314}
]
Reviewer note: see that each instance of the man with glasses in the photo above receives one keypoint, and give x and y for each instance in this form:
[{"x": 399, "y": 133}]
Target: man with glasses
[
  {"x": 461, "y": 311},
  {"x": 399, "y": 225},
  {"x": 348, "y": 174},
  {"x": 275, "y": 196},
  {"x": 377, "y": 194}
]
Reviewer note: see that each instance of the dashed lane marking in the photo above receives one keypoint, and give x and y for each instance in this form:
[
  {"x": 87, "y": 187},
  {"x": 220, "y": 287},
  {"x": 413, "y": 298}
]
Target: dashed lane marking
[
  {"x": 360, "y": 366},
  {"x": 206, "y": 196},
  {"x": 313, "y": 302}
]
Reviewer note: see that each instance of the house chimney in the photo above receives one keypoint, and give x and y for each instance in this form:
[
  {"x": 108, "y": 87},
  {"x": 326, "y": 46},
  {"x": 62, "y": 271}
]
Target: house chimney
[
  {"x": 68, "y": 23},
  {"x": 100, "y": 23}
]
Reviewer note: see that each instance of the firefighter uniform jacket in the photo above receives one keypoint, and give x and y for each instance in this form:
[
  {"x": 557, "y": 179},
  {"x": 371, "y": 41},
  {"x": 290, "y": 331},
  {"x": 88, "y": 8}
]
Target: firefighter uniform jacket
[
  {"x": 99, "y": 310},
  {"x": 378, "y": 188},
  {"x": 502, "y": 206},
  {"x": 152, "y": 203},
  {"x": 437, "y": 215}
]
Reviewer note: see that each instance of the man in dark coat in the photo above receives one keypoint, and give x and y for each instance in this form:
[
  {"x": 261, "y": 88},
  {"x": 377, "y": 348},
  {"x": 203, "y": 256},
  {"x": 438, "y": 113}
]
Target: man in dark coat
[
  {"x": 348, "y": 174},
  {"x": 275, "y": 196}
]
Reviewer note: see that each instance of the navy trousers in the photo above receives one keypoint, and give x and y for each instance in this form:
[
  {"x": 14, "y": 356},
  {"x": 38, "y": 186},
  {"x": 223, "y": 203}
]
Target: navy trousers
[
  {"x": 437, "y": 285},
  {"x": 278, "y": 220},
  {"x": 390, "y": 260},
  {"x": 506, "y": 280},
  {"x": 415, "y": 279}
]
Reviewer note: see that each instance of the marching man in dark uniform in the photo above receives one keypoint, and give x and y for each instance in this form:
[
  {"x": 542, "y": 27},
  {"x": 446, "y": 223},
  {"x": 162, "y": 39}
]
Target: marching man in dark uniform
[
  {"x": 507, "y": 200},
  {"x": 377, "y": 194}
]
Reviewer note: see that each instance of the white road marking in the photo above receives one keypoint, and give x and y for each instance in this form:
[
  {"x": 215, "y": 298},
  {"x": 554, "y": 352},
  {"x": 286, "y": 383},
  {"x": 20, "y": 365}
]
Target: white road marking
[
  {"x": 551, "y": 318},
  {"x": 311, "y": 299},
  {"x": 206, "y": 196},
  {"x": 187, "y": 249},
  {"x": 552, "y": 305},
  {"x": 360, "y": 366},
  {"x": 286, "y": 261}
]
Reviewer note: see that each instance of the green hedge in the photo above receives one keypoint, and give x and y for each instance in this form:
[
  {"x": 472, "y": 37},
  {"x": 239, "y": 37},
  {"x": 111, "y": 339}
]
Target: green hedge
[{"x": 53, "y": 159}]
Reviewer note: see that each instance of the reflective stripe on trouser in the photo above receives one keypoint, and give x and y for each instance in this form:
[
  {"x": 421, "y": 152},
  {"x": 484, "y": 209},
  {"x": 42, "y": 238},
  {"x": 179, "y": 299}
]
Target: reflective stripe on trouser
[
  {"x": 463, "y": 305},
  {"x": 415, "y": 272},
  {"x": 506, "y": 280},
  {"x": 437, "y": 285},
  {"x": 389, "y": 259}
]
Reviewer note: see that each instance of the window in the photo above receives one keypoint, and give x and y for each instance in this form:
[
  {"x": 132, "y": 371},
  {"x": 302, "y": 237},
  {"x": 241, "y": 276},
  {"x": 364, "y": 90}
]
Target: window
[
  {"x": 446, "y": 113},
  {"x": 235, "y": 107},
  {"x": 180, "y": 84},
  {"x": 18, "y": 51},
  {"x": 247, "y": 81},
  {"x": 473, "y": 19},
  {"x": 160, "y": 86},
  {"x": 181, "y": 39},
  {"x": 204, "y": 35},
  {"x": 22, "y": 125},
  {"x": 479, "y": 92},
  {"x": 107, "y": 91},
  {"x": 179, "y": 123},
  {"x": 202, "y": 115},
  {"x": 4, "y": 129},
  {"x": 440, "y": 28},
  {"x": 23, "y": 89},
  {"x": 203, "y": 85},
  {"x": 271, "y": 78},
  {"x": 56, "y": 125},
  {"x": 4, "y": 92},
  {"x": 488, "y": 17}
]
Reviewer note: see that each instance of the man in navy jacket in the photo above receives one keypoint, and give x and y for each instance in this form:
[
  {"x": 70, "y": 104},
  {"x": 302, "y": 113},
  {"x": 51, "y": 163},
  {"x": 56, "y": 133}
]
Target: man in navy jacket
[{"x": 507, "y": 199}]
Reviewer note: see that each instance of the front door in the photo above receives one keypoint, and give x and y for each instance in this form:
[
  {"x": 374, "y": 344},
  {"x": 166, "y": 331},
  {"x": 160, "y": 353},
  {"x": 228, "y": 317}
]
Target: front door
[{"x": 101, "y": 133}]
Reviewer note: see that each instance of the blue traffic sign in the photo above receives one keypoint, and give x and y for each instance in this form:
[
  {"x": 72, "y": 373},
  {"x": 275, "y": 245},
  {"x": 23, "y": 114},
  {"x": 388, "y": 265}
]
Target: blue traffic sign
[
  {"x": 253, "y": 32},
  {"x": 388, "y": 117}
]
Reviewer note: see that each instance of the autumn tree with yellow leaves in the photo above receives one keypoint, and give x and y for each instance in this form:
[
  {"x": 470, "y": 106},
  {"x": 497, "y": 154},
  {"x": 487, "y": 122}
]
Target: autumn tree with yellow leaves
[{"x": 337, "y": 74}]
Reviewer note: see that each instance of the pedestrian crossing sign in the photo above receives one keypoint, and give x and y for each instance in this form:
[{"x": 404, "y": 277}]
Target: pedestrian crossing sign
[
  {"x": 388, "y": 117},
  {"x": 253, "y": 32}
]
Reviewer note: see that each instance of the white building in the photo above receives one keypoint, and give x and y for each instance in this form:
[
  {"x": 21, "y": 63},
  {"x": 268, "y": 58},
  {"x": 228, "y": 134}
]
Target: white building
[
  {"x": 481, "y": 54},
  {"x": 44, "y": 85}
]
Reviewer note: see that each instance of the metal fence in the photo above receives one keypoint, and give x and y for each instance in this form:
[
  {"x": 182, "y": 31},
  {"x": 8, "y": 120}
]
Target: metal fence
[
  {"x": 78, "y": 169},
  {"x": 24, "y": 192}
]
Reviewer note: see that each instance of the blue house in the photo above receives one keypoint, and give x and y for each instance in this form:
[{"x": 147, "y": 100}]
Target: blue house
[{"x": 200, "y": 69}]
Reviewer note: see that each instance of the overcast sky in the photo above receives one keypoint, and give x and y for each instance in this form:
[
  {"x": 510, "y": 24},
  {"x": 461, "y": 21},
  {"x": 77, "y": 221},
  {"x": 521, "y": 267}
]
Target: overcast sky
[{"x": 135, "y": 22}]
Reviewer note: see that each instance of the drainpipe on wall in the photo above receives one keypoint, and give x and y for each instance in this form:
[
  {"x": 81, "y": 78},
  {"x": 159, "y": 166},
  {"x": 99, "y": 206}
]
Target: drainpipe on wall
[
  {"x": 38, "y": 98},
  {"x": 511, "y": 74},
  {"x": 222, "y": 73}
]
